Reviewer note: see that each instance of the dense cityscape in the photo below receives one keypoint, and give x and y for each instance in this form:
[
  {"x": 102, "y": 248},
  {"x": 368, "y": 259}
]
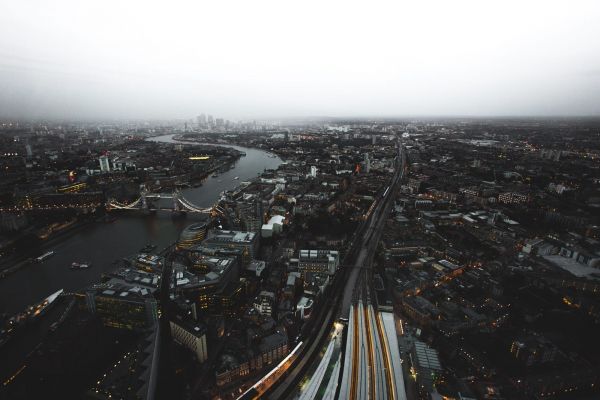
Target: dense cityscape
[
  {"x": 322, "y": 258},
  {"x": 316, "y": 200}
]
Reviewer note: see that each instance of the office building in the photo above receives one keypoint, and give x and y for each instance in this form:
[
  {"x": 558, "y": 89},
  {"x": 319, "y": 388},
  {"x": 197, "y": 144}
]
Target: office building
[
  {"x": 201, "y": 119},
  {"x": 264, "y": 302},
  {"x": 190, "y": 334},
  {"x": 104, "y": 163},
  {"x": 250, "y": 213},
  {"x": 127, "y": 300},
  {"x": 245, "y": 241},
  {"x": 211, "y": 282},
  {"x": 318, "y": 261},
  {"x": 192, "y": 235}
]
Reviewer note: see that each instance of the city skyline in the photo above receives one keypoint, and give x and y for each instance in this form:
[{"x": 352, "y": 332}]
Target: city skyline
[{"x": 311, "y": 200}]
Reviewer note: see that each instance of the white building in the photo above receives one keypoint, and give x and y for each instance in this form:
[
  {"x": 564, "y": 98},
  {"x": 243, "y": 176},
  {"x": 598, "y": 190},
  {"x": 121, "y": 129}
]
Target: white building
[
  {"x": 274, "y": 226},
  {"x": 104, "y": 164},
  {"x": 304, "y": 307}
]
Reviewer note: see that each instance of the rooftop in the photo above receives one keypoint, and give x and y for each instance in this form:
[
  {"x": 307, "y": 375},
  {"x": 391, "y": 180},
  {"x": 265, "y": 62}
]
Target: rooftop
[
  {"x": 426, "y": 356},
  {"x": 215, "y": 235}
]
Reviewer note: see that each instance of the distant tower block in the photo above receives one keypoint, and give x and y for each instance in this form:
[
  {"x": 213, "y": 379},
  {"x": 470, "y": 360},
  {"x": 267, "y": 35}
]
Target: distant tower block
[
  {"x": 367, "y": 163},
  {"x": 104, "y": 164}
]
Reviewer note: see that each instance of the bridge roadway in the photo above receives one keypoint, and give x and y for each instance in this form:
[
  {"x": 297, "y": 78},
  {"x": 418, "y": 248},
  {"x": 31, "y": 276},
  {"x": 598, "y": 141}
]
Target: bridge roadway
[
  {"x": 179, "y": 203},
  {"x": 340, "y": 297}
]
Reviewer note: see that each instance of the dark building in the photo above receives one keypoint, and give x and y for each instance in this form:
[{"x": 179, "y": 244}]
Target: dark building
[
  {"x": 126, "y": 301},
  {"x": 211, "y": 282}
]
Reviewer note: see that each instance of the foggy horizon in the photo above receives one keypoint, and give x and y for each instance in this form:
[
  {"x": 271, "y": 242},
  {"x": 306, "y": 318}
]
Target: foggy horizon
[{"x": 242, "y": 61}]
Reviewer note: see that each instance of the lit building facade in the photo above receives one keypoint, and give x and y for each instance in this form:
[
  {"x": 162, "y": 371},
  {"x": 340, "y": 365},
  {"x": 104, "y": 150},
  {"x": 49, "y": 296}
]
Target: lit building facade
[
  {"x": 192, "y": 235},
  {"x": 318, "y": 261}
]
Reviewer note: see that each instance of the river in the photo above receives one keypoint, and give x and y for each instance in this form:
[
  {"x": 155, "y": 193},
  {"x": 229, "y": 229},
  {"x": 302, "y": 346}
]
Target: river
[{"x": 102, "y": 243}]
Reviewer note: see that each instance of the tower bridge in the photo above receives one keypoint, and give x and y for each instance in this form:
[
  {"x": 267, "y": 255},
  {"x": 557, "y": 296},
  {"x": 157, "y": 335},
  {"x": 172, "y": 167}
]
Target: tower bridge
[{"x": 147, "y": 202}]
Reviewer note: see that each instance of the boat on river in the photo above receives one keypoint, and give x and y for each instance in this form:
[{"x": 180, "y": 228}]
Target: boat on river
[
  {"x": 82, "y": 265},
  {"x": 44, "y": 256},
  {"x": 27, "y": 316}
]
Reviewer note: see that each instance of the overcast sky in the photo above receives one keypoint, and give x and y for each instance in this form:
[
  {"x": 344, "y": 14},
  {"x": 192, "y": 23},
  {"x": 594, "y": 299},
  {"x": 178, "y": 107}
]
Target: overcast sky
[{"x": 256, "y": 59}]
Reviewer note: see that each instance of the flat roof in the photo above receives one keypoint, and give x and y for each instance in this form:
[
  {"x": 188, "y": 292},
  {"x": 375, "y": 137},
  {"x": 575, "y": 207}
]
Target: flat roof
[
  {"x": 231, "y": 236},
  {"x": 389, "y": 326},
  {"x": 426, "y": 356}
]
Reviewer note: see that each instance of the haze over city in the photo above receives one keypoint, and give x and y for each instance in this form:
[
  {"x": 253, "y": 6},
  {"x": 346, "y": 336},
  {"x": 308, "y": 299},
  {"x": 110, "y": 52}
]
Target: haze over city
[
  {"x": 317, "y": 200},
  {"x": 270, "y": 59}
]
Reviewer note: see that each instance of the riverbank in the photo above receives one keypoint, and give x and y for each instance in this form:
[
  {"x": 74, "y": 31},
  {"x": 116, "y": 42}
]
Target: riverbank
[
  {"x": 46, "y": 245},
  {"x": 102, "y": 243},
  {"x": 203, "y": 140},
  {"x": 225, "y": 157}
]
